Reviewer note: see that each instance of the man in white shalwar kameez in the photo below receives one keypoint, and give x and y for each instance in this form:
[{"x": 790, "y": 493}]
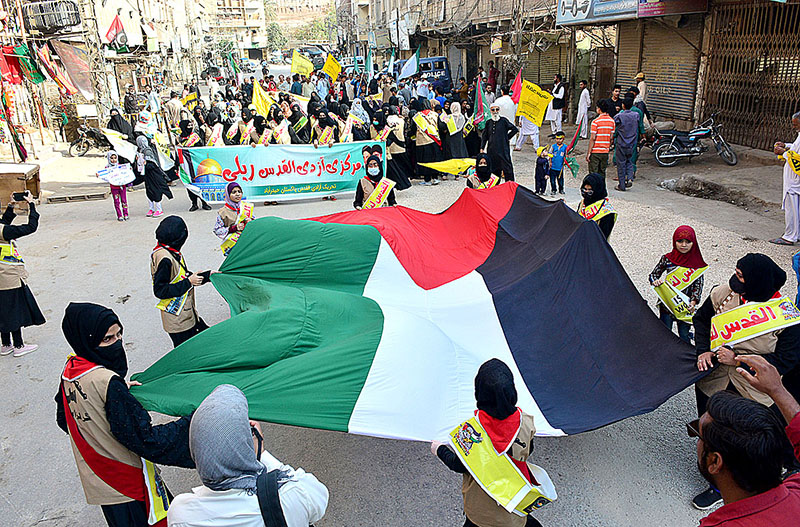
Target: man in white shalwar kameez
[
  {"x": 583, "y": 110},
  {"x": 791, "y": 189},
  {"x": 527, "y": 129}
]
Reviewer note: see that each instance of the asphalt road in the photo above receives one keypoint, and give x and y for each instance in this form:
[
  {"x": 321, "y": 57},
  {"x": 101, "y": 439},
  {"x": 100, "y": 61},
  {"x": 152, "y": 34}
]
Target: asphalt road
[{"x": 637, "y": 472}]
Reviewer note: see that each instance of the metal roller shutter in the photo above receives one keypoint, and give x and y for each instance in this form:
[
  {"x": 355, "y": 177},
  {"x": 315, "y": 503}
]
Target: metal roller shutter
[
  {"x": 540, "y": 68},
  {"x": 670, "y": 66},
  {"x": 630, "y": 40}
]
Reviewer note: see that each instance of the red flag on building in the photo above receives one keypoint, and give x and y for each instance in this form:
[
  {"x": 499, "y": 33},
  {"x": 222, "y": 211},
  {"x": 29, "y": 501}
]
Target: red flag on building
[
  {"x": 115, "y": 29},
  {"x": 516, "y": 88}
]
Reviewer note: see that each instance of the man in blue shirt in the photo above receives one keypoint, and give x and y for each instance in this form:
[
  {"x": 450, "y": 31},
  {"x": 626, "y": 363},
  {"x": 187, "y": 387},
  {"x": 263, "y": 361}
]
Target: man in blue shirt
[
  {"x": 296, "y": 88},
  {"x": 559, "y": 152},
  {"x": 626, "y": 138},
  {"x": 322, "y": 87}
]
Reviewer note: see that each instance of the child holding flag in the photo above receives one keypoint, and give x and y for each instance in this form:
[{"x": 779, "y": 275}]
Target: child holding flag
[
  {"x": 558, "y": 152},
  {"x": 684, "y": 267}
]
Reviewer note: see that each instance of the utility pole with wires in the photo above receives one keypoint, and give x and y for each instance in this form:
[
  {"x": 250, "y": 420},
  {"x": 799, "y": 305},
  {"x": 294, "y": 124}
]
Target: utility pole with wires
[{"x": 97, "y": 69}]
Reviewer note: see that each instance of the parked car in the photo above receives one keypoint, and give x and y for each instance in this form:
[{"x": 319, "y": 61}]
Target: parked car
[{"x": 213, "y": 72}]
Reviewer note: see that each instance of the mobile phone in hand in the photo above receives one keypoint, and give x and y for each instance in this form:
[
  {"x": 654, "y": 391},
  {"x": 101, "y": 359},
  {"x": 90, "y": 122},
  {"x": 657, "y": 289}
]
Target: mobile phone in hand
[{"x": 19, "y": 196}]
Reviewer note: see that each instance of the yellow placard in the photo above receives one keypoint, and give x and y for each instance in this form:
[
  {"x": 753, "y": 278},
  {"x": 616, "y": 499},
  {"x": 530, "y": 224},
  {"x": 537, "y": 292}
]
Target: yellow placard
[
  {"x": 675, "y": 301},
  {"x": 245, "y": 214},
  {"x": 379, "y": 195},
  {"x": 301, "y": 64},
  {"x": 793, "y": 158},
  {"x": 332, "y": 67},
  {"x": 752, "y": 320},
  {"x": 157, "y": 497},
  {"x": 451, "y": 126},
  {"x": 9, "y": 254},
  {"x": 497, "y": 475},
  {"x": 533, "y": 102},
  {"x": 174, "y": 306},
  {"x": 190, "y": 101}
]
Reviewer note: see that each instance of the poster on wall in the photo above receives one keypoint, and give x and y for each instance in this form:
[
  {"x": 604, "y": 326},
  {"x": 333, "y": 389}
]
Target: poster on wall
[
  {"x": 648, "y": 8},
  {"x": 574, "y": 12}
]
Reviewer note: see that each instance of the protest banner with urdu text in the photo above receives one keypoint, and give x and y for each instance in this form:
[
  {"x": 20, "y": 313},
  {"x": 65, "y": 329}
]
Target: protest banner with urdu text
[
  {"x": 533, "y": 102},
  {"x": 274, "y": 173}
]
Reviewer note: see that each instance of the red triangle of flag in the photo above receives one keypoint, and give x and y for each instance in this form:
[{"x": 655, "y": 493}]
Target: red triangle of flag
[
  {"x": 115, "y": 29},
  {"x": 516, "y": 88}
]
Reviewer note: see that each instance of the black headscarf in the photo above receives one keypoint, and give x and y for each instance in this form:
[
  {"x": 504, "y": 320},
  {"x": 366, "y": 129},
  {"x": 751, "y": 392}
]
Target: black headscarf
[
  {"x": 380, "y": 118},
  {"x": 247, "y": 115},
  {"x": 762, "y": 277},
  {"x": 84, "y": 327},
  {"x": 119, "y": 123},
  {"x": 260, "y": 124},
  {"x": 494, "y": 389},
  {"x": 598, "y": 184},
  {"x": 172, "y": 232},
  {"x": 483, "y": 174},
  {"x": 377, "y": 159},
  {"x": 186, "y": 128}
]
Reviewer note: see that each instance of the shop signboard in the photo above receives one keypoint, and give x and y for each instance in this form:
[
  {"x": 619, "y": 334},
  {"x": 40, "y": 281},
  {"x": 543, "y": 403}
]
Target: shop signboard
[
  {"x": 588, "y": 12},
  {"x": 650, "y": 8}
]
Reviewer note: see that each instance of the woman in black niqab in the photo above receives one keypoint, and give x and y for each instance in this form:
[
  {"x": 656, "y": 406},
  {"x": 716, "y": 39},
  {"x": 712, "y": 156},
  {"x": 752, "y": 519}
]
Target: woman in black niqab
[
  {"x": 762, "y": 277},
  {"x": 85, "y": 326},
  {"x": 121, "y": 125}
]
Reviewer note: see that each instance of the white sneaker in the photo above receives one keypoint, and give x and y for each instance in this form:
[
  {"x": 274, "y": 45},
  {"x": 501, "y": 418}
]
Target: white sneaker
[
  {"x": 24, "y": 350},
  {"x": 435, "y": 181},
  {"x": 5, "y": 350},
  {"x": 426, "y": 184}
]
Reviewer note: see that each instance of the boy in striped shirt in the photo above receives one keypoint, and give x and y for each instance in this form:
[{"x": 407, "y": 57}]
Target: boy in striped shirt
[{"x": 602, "y": 130}]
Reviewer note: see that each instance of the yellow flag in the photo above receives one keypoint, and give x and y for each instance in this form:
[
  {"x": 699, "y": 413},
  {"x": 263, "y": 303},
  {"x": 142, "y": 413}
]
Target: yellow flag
[
  {"x": 332, "y": 67},
  {"x": 533, "y": 102},
  {"x": 452, "y": 166},
  {"x": 301, "y": 64},
  {"x": 261, "y": 100}
]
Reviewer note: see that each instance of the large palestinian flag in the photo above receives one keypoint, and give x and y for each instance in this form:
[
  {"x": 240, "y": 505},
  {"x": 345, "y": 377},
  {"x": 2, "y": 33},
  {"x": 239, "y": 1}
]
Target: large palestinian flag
[{"x": 376, "y": 321}]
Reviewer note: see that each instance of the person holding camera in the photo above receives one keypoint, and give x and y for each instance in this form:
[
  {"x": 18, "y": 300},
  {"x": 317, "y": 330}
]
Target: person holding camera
[
  {"x": 243, "y": 484},
  {"x": 19, "y": 306}
]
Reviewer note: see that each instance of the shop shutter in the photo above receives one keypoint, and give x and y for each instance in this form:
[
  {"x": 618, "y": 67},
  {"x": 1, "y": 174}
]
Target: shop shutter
[
  {"x": 630, "y": 38},
  {"x": 670, "y": 66},
  {"x": 540, "y": 68}
]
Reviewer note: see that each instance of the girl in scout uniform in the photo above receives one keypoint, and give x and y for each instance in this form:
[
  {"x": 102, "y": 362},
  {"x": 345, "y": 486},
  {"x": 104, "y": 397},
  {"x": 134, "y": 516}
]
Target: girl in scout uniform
[
  {"x": 757, "y": 281},
  {"x": 509, "y": 431},
  {"x": 232, "y": 217},
  {"x": 683, "y": 266},
  {"x": 595, "y": 206},
  {"x": 482, "y": 178},
  {"x": 109, "y": 430},
  {"x": 366, "y": 185},
  {"x": 19, "y": 308},
  {"x": 173, "y": 283}
]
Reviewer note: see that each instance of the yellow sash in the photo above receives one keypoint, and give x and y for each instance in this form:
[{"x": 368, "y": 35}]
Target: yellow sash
[
  {"x": 216, "y": 136},
  {"x": 247, "y": 131},
  {"x": 682, "y": 277},
  {"x": 497, "y": 475},
  {"x": 493, "y": 181},
  {"x": 751, "y": 320},
  {"x": 9, "y": 254},
  {"x": 174, "y": 306},
  {"x": 379, "y": 195},
  {"x": 327, "y": 135},
  {"x": 468, "y": 126},
  {"x": 245, "y": 213},
  {"x": 597, "y": 210},
  {"x": 157, "y": 496},
  {"x": 384, "y": 133}
]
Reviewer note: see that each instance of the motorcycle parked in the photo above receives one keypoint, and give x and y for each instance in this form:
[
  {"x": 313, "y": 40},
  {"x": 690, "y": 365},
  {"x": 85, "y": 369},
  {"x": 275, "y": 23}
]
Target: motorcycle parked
[
  {"x": 672, "y": 145},
  {"x": 88, "y": 137}
]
